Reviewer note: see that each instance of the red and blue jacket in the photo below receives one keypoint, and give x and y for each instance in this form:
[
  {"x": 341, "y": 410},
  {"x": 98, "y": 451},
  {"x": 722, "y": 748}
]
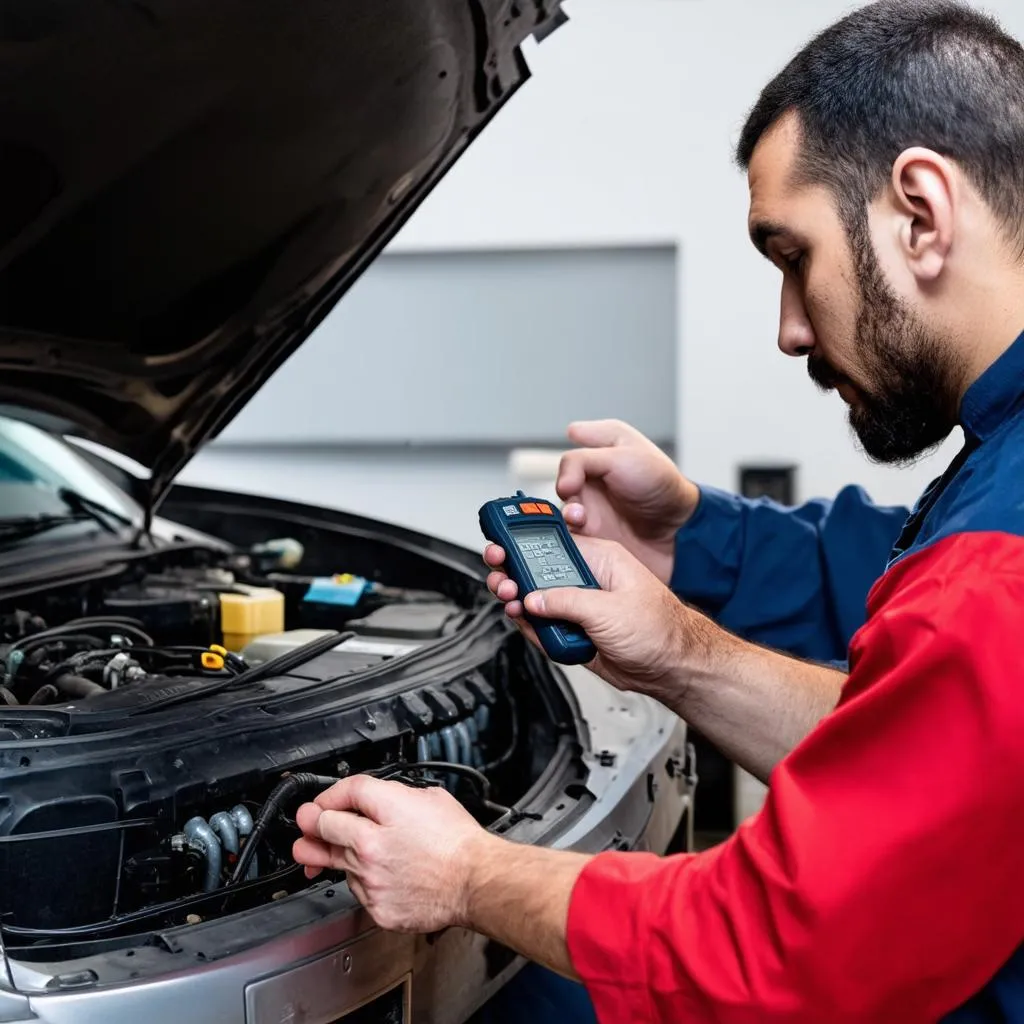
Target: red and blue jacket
[{"x": 883, "y": 881}]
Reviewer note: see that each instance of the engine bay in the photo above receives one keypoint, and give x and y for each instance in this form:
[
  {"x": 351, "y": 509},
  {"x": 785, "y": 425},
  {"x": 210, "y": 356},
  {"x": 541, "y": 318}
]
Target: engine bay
[{"x": 161, "y": 725}]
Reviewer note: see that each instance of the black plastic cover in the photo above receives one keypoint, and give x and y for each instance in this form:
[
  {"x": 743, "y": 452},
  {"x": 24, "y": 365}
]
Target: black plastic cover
[{"x": 188, "y": 186}]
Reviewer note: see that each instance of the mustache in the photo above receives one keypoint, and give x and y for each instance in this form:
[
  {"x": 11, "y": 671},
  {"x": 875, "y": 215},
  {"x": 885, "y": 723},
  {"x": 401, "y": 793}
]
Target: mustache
[{"x": 824, "y": 375}]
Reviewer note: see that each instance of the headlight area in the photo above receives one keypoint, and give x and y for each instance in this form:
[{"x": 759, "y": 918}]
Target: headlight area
[{"x": 158, "y": 780}]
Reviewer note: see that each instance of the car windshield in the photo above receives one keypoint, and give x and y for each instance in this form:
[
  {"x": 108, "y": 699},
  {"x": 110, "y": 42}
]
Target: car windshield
[{"x": 39, "y": 473}]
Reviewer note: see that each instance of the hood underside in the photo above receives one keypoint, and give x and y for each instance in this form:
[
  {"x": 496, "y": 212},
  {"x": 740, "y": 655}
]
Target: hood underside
[{"x": 187, "y": 187}]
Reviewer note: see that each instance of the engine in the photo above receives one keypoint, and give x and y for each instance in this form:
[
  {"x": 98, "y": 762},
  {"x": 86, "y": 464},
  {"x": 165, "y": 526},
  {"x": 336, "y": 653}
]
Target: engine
[{"x": 160, "y": 729}]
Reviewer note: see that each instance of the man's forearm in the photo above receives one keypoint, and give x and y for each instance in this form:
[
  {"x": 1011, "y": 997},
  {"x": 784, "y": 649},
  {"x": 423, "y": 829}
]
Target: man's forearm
[
  {"x": 519, "y": 896},
  {"x": 755, "y": 705}
]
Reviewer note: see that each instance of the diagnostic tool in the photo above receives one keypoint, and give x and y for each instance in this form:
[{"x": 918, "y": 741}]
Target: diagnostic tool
[{"x": 540, "y": 554}]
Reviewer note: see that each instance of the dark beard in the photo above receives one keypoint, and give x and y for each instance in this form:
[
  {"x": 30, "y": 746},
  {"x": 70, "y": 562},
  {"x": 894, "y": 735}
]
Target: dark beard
[{"x": 909, "y": 388}]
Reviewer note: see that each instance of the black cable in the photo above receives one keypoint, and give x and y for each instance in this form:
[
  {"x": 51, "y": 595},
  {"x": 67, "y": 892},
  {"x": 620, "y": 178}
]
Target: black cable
[
  {"x": 46, "y": 694},
  {"x": 75, "y": 626},
  {"x": 77, "y": 686},
  {"x": 448, "y": 767},
  {"x": 289, "y": 787},
  {"x": 26, "y": 647},
  {"x": 290, "y": 660},
  {"x": 513, "y": 743},
  {"x": 275, "y": 667},
  {"x": 102, "y": 620},
  {"x": 40, "y": 642}
]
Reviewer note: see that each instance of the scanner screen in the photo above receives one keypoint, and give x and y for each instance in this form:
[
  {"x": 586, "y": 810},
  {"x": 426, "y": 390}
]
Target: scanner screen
[{"x": 548, "y": 561}]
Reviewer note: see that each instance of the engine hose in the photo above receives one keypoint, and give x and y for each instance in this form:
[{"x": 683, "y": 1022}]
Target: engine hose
[
  {"x": 77, "y": 686},
  {"x": 476, "y": 759},
  {"x": 483, "y": 717},
  {"x": 450, "y": 743},
  {"x": 242, "y": 818},
  {"x": 8, "y": 698},
  {"x": 202, "y": 838},
  {"x": 436, "y": 749},
  {"x": 45, "y": 694},
  {"x": 223, "y": 824},
  {"x": 465, "y": 744},
  {"x": 452, "y": 749},
  {"x": 243, "y": 822},
  {"x": 288, "y": 788},
  {"x": 422, "y": 748}
]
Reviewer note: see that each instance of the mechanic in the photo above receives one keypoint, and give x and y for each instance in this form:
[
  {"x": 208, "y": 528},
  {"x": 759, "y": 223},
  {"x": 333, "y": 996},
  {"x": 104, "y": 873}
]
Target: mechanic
[{"x": 882, "y": 881}]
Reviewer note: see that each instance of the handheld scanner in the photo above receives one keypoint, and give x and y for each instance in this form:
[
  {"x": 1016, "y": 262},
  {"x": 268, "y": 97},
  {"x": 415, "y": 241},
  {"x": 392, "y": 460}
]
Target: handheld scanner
[{"x": 541, "y": 554}]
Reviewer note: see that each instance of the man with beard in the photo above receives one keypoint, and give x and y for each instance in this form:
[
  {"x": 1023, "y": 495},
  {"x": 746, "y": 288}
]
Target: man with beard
[{"x": 882, "y": 881}]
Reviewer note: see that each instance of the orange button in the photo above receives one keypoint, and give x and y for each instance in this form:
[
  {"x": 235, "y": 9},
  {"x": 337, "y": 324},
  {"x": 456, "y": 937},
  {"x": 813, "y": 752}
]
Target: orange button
[
  {"x": 545, "y": 510},
  {"x": 529, "y": 508}
]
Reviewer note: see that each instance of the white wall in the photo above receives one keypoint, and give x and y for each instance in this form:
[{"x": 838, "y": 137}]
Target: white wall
[
  {"x": 624, "y": 135},
  {"x": 430, "y": 491}
]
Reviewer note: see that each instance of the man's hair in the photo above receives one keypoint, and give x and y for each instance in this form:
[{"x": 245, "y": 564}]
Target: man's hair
[{"x": 896, "y": 74}]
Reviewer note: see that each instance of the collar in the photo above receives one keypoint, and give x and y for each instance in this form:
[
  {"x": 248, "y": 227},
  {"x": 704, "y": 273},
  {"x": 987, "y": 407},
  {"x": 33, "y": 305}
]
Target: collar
[{"x": 996, "y": 395}]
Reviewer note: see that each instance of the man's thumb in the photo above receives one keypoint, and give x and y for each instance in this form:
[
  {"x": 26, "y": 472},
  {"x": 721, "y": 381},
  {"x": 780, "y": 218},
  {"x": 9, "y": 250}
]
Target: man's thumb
[{"x": 570, "y": 604}]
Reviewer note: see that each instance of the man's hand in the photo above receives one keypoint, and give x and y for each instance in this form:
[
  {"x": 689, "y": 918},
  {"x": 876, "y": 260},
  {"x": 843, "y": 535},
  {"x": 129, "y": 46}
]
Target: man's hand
[
  {"x": 643, "y": 634},
  {"x": 409, "y": 853},
  {"x": 419, "y": 863},
  {"x": 755, "y": 705},
  {"x": 620, "y": 486}
]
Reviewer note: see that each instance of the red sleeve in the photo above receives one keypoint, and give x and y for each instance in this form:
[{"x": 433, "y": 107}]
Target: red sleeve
[{"x": 883, "y": 879}]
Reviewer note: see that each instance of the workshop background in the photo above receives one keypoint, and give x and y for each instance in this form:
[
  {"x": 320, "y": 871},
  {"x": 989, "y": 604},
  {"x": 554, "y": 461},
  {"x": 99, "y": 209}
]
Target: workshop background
[{"x": 587, "y": 258}]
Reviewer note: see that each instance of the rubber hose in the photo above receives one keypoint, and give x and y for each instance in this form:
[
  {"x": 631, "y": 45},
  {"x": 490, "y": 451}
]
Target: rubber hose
[
  {"x": 476, "y": 758},
  {"x": 242, "y": 818},
  {"x": 422, "y": 748},
  {"x": 451, "y": 745},
  {"x": 223, "y": 824},
  {"x": 465, "y": 744},
  {"x": 46, "y": 694},
  {"x": 243, "y": 822},
  {"x": 450, "y": 742},
  {"x": 77, "y": 686},
  {"x": 202, "y": 838},
  {"x": 289, "y": 787}
]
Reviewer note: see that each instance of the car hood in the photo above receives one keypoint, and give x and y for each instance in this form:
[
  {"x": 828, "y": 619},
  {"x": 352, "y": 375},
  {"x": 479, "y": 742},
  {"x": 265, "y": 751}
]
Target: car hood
[{"x": 187, "y": 187}]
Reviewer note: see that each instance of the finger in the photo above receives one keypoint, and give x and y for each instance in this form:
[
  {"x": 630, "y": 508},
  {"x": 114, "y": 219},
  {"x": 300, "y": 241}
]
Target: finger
[
  {"x": 494, "y": 556},
  {"x": 317, "y": 855},
  {"x": 569, "y": 604},
  {"x": 502, "y": 587},
  {"x": 514, "y": 609},
  {"x": 345, "y": 829},
  {"x": 607, "y": 561},
  {"x": 363, "y": 795},
  {"x": 574, "y": 513},
  {"x": 577, "y": 467},
  {"x": 494, "y": 580},
  {"x": 307, "y": 817},
  {"x": 601, "y": 433}
]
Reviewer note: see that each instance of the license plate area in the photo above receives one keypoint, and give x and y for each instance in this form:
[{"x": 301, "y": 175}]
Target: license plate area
[{"x": 368, "y": 982}]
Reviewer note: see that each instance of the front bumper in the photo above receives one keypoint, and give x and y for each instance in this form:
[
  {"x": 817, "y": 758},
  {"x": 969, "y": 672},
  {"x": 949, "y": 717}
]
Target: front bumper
[{"x": 323, "y": 960}]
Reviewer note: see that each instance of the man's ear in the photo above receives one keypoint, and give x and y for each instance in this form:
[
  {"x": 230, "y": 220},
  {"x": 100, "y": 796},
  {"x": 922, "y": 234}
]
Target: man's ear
[{"x": 924, "y": 197}]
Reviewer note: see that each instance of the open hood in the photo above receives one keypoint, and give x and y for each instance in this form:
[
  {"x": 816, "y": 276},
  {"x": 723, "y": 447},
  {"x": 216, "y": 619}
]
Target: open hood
[{"x": 187, "y": 187}]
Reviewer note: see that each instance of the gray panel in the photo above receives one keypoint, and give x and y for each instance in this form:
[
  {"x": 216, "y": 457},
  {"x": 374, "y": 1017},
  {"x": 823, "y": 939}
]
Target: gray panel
[{"x": 488, "y": 348}]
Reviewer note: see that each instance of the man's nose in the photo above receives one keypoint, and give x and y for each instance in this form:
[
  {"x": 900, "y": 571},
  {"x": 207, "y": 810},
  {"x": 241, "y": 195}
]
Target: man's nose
[{"x": 796, "y": 335}]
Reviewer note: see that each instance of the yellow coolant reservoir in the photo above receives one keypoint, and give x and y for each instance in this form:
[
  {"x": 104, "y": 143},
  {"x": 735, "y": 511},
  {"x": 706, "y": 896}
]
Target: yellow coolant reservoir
[{"x": 251, "y": 613}]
